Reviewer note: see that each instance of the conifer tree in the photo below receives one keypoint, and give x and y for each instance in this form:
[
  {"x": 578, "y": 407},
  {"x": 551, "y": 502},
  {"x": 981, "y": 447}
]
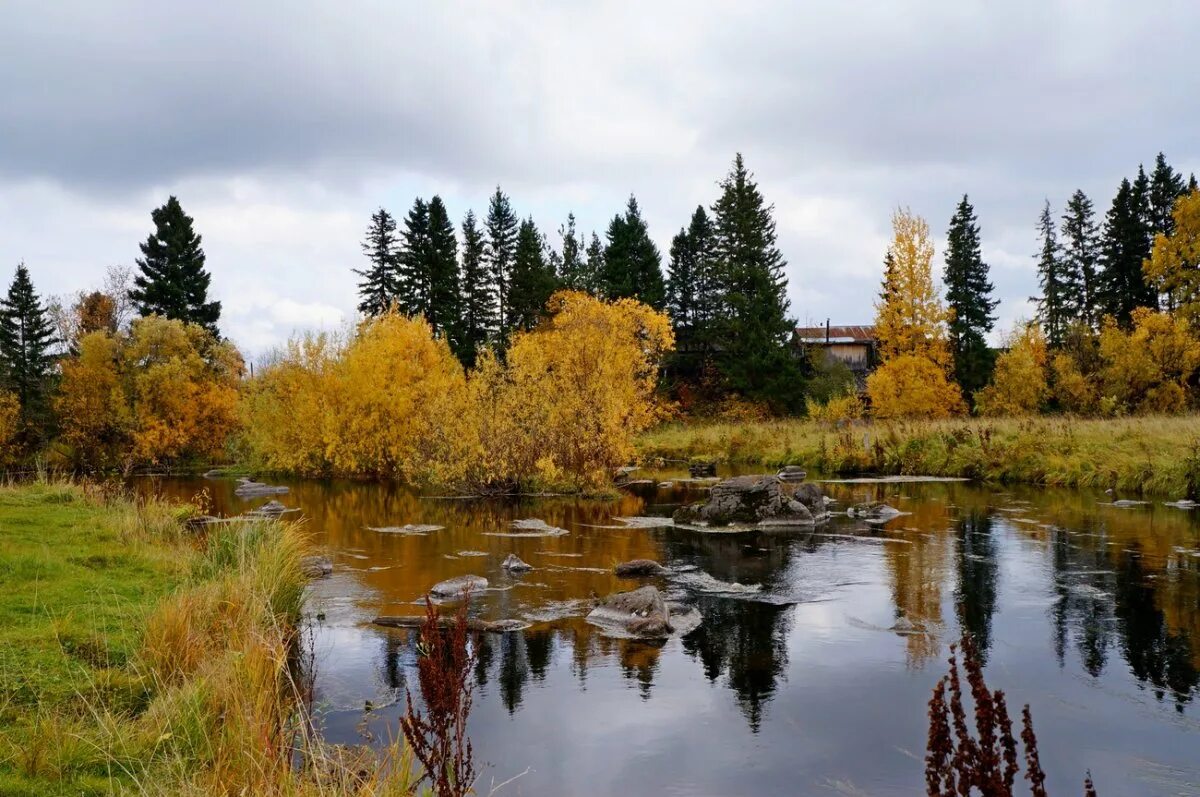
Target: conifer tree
[
  {"x": 532, "y": 278},
  {"x": 690, "y": 302},
  {"x": 632, "y": 264},
  {"x": 476, "y": 300},
  {"x": 1080, "y": 258},
  {"x": 593, "y": 268},
  {"x": 1054, "y": 311},
  {"x": 1125, "y": 243},
  {"x": 752, "y": 331},
  {"x": 501, "y": 226},
  {"x": 969, "y": 296},
  {"x": 379, "y": 286},
  {"x": 571, "y": 264},
  {"x": 444, "y": 313},
  {"x": 173, "y": 281},
  {"x": 413, "y": 274},
  {"x": 1166, "y": 185},
  {"x": 26, "y": 343}
]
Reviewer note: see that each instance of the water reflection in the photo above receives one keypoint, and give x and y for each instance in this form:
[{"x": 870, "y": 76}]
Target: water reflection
[{"x": 1058, "y": 590}]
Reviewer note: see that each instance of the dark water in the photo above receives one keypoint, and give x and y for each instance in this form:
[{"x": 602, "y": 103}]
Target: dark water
[{"x": 1090, "y": 613}]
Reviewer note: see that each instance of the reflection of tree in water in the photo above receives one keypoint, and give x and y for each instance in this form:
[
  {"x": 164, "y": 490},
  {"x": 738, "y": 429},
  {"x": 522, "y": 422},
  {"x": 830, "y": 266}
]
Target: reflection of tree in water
[
  {"x": 975, "y": 596},
  {"x": 1084, "y": 582},
  {"x": 918, "y": 570},
  {"x": 746, "y": 640},
  {"x": 639, "y": 663}
]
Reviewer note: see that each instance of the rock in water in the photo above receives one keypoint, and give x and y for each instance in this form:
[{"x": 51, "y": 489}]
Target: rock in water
[
  {"x": 638, "y": 568},
  {"x": 792, "y": 473},
  {"x": 640, "y": 612},
  {"x": 873, "y": 512},
  {"x": 700, "y": 469},
  {"x": 514, "y": 564},
  {"x": 454, "y": 587},
  {"x": 248, "y": 488},
  {"x": 316, "y": 566},
  {"x": 757, "y": 499},
  {"x": 271, "y": 509}
]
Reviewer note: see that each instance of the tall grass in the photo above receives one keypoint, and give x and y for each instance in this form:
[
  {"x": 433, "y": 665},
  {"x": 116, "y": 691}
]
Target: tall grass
[{"x": 1150, "y": 455}]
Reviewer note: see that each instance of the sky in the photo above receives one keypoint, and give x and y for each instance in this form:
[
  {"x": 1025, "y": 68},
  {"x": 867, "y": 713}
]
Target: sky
[{"x": 281, "y": 126}]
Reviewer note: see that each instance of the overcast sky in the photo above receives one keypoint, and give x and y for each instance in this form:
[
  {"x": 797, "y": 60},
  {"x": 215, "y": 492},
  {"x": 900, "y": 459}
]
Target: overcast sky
[{"x": 281, "y": 126}]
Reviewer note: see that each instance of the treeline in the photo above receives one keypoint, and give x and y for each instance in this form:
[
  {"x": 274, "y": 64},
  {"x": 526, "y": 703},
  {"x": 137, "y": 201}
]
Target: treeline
[{"x": 725, "y": 288}]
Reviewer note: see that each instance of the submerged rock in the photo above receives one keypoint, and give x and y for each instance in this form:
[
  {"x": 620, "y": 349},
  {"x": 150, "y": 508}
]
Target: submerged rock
[
  {"x": 407, "y": 528},
  {"x": 792, "y": 473},
  {"x": 641, "y": 612},
  {"x": 701, "y": 468},
  {"x": 248, "y": 488},
  {"x": 271, "y": 509},
  {"x": 316, "y": 566},
  {"x": 757, "y": 499},
  {"x": 455, "y": 587},
  {"x": 530, "y": 527},
  {"x": 638, "y": 568},
  {"x": 514, "y": 564},
  {"x": 473, "y": 623},
  {"x": 873, "y": 512},
  {"x": 1185, "y": 503}
]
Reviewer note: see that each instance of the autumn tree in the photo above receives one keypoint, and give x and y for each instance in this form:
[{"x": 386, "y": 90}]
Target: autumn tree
[
  {"x": 93, "y": 405},
  {"x": 1080, "y": 259},
  {"x": 27, "y": 344},
  {"x": 1019, "y": 385},
  {"x": 379, "y": 286},
  {"x": 477, "y": 303},
  {"x": 1147, "y": 369},
  {"x": 969, "y": 299},
  {"x": 632, "y": 264},
  {"x": 501, "y": 226},
  {"x": 1174, "y": 263},
  {"x": 172, "y": 281},
  {"x": 911, "y": 330},
  {"x": 532, "y": 279}
]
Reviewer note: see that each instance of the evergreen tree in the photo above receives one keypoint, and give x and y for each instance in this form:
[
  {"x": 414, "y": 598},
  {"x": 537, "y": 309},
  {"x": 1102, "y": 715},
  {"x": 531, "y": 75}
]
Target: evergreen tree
[
  {"x": 632, "y": 264},
  {"x": 969, "y": 296},
  {"x": 476, "y": 301},
  {"x": 26, "y": 343},
  {"x": 1124, "y": 245},
  {"x": 173, "y": 281},
  {"x": 413, "y": 272},
  {"x": 752, "y": 331},
  {"x": 444, "y": 313},
  {"x": 379, "y": 286},
  {"x": 593, "y": 267},
  {"x": 1166, "y": 185},
  {"x": 1192, "y": 185},
  {"x": 501, "y": 226},
  {"x": 889, "y": 288},
  {"x": 571, "y": 264},
  {"x": 690, "y": 302},
  {"x": 1054, "y": 311},
  {"x": 1080, "y": 257},
  {"x": 532, "y": 278}
]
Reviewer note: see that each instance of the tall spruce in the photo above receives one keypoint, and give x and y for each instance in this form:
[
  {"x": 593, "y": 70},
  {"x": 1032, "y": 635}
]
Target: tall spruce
[
  {"x": 752, "y": 329},
  {"x": 1080, "y": 259},
  {"x": 593, "y": 267},
  {"x": 501, "y": 225},
  {"x": 172, "y": 280},
  {"x": 690, "y": 303},
  {"x": 969, "y": 295},
  {"x": 27, "y": 341},
  {"x": 379, "y": 286},
  {"x": 532, "y": 278},
  {"x": 632, "y": 264},
  {"x": 1125, "y": 243},
  {"x": 1054, "y": 305},
  {"x": 413, "y": 274},
  {"x": 571, "y": 263},
  {"x": 477, "y": 302},
  {"x": 444, "y": 313},
  {"x": 1166, "y": 185}
]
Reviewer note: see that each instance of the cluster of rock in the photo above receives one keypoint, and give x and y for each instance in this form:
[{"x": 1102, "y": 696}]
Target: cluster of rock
[{"x": 759, "y": 500}]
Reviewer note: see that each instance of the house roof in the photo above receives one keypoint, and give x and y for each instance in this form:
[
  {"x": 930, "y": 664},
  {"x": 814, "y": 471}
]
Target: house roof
[{"x": 846, "y": 334}]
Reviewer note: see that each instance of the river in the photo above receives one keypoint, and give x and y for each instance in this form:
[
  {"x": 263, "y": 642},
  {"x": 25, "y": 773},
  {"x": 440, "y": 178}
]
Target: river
[{"x": 1087, "y": 611}]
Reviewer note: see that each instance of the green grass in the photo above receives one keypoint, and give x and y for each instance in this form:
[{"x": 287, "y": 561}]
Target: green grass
[{"x": 1150, "y": 455}]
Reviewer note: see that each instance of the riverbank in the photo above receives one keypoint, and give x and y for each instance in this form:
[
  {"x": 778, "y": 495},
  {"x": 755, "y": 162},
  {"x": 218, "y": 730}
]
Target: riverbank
[
  {"x": 136, "y": 657},
  {"x": 1152, "y": 455}
]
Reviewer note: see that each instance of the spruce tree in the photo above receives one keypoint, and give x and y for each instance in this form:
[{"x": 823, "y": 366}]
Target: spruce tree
[
  {"x": 752, "y": 330},
  {"x": 501, "y": 226},
  {"x": 413, "y": 273},
  {"x": 593, "y": 267},
  {"x": 1192, "y": 185},
  {"x": 173, "y": 281},
  {"x": 969, "y": 295},
  {"x": 1080, "y": 258},
  {"x": 532, "y": 279},
  {"x": 26, "y": 351},
  {"x": 444, "y": 313},
  {"x": 476, "y": 300},
  {"x": 571, "y": 264},
  {"x": 1124, "y": 244},
  {"x": 379, "y": 286},
  {"x": 1166, "y": 185},
  {"x": 690, "y": 300},
  {"x": 632, "y": 264},
  {"x": 1054, "y": 311}
]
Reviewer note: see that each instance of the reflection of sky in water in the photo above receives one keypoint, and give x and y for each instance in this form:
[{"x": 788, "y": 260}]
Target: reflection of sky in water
[{"x": 1089, "y": 613}]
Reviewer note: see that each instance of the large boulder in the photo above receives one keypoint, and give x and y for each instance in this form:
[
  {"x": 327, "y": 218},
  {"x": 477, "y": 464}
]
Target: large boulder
[
  {"x": 455, "y": 587},
  {"x": 757, "y": 499},
  {"x": 641, "y": 612}
]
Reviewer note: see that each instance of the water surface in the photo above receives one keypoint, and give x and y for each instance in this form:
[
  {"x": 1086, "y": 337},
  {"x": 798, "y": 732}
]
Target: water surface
[{"x": 1089, "y": 612}]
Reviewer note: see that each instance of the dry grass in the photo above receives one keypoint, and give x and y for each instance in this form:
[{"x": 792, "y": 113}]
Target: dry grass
[{"x": 1152, "y": 455}]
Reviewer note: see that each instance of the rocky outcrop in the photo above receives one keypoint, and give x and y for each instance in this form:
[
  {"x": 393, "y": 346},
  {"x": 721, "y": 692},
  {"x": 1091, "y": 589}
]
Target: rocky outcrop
[
  {"x": 316, "y": 566},
  {"x": 639, "y": 568},
  {"x": 455, "y": 587},
  {"x": 767, "y": 500},
  {"x": 514, "y": 564},
  {"x": 641, "y": 612},
  {"x": 248, "y": 488}
]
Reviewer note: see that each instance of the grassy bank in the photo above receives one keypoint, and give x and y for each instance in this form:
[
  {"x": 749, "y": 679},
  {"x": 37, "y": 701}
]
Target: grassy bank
[
  {"x": 138, "y": 658},
  {"x": 1153, "y": 455}
]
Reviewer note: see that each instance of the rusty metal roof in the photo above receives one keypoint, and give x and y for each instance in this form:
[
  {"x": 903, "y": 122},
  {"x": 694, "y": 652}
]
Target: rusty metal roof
[{"x": 845, "y": 334}]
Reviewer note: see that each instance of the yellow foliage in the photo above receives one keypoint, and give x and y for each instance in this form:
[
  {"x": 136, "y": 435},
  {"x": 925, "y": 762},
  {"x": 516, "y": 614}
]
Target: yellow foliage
[
  {"x": 910, "y": 318},
  {"x": 92, "y": 403},
  {"x": 1147, "y": 368},
  {"x": 1019, "y": 382},
  {"x": 913, "y": 386},
  {"x": 1073, "y": 391},
  {"x": 10, "y": 425},
  {"x": 1174, "y": 262},
  {"x": 839, "y": 408}
]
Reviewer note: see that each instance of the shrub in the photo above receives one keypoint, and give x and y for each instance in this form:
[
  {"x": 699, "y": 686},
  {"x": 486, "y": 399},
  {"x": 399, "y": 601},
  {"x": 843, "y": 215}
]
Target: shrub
[
  {"x": 912, "y": 386},
  {"x": 1019, "y": 381}
]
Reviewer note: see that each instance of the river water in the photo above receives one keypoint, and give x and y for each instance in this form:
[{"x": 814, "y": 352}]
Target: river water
[{"x": 1087, "y": 611}]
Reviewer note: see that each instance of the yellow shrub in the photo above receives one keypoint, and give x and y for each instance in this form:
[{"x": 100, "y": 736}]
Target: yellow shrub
[
  {"x": 1147, "y": 369},
  {"x": 912, "y": 386},
  {"x": 1019, "y": 381},
  {"x": 840, "y": 408},
  {"x": 10, "y": 425},
  {"x": 1073, "y": 391}
]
